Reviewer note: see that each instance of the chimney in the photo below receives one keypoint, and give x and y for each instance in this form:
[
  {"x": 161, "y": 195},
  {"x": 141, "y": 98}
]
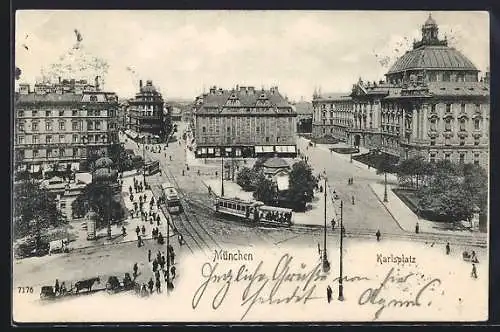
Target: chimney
[
  {"x": 140, "y": 84},
  {"x": 97, "y": 83},
  {"x": 59, "y": 79}
]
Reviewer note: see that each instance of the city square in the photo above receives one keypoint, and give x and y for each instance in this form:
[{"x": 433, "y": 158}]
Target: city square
[{"x": 115, "y": 179}]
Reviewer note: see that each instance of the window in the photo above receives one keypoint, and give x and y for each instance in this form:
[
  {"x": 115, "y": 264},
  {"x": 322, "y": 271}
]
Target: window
[
  {"x": 277, "y": 139},
  {"x": 61, "y": 113},
  {"x": 433, "y": 124},
  {"x": 228, "y": 129},
  {"x": 48, "y": 126},
  {"x": 61, "y": 152},
  {"x": 478, "y": 108},
  {"x": 20, "y": 139},
  {"x": 74, "y": 113},
  {"x": 331, "y": 114},
  {"x": 90, "y": 112},
  {"x": 447, "y": 156},
  {"x": 462, "y": 141},
  {"x": 34, "y": 113},
  {"x": 98, "y": 125},
  {"x": 476, "y": 158},
  {"x": 447, "y": 141},
  {"x": 324, "y": 131},
  {"x": 462, "y": 108},
  {"x": 433, "y": 157},
  {"x": 90, "y": 125},
  {"x": 48, "y": 139},
  {"x": 462, "y": 158},
  {"x": 257, "y": 129},
  {"x": 49, "y": 153},
  {"x": 204, "y": 129},
  {"x": 331, "y": 121},
  {"x": 447, "y": 124},
  {"x": 35, "y": 153},
  {"x": 62, "y": 126},
  {"x": 48, "y": 113},
  {"x": 477, "y": 124},
  {"x": 75, "y": 138},
  {"x": 75, "y": 152},
  {"x": 34, "y": 126},
  {"x": 74, "y": 126},
  {"x": 35, "y": 139},
  {"x": 267, "y": 139},
  {"x": 20, "y": 126},
  {"x": 20, "y": 113},
  {"x": 476, "y": 141},
  {"x": 448, "y": 108},
  {"x": 20, "y": 154},
  {"x": 433, "y": 108},
  {"x": 323, "y": 114},
  {"x": 97, "y": 113},
  {"x": 462, "y": 125},
  {"x": 61, "y": 139}
]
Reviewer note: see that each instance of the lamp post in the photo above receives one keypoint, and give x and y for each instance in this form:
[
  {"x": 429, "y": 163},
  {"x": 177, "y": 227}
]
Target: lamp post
[
  {"x": 222, "y": 173},
  {"x": 168, "y": 252},
  {"x": 326, "y": 264},
  {"x": 385, "y": 186},
  {"x": 341, "y": 287},
  {"x": 143, "y": 160}
]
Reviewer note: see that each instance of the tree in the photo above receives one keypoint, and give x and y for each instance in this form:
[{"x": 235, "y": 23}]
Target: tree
[
  {"x": 265, "y": 190},
  {"x": 246, "y": 178},
  {"x": 301, "y": 184},
  {"x": 257, "y": 166},
  {"x": 35, "y": 210},
  {"x": 102, "y": 200}
]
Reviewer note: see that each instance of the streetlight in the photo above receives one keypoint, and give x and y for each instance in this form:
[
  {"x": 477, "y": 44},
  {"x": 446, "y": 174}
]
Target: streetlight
[
  {"x": 326, "y": 264},
  {"x": 385, "y": 186},
  {"x": 222, "y": 172},
  {"x": 341, "y": 287}
]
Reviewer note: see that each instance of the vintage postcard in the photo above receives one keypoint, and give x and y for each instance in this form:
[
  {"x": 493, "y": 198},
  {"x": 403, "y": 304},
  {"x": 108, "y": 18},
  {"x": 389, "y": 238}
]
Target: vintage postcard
[{"x": 250, "y": 166}]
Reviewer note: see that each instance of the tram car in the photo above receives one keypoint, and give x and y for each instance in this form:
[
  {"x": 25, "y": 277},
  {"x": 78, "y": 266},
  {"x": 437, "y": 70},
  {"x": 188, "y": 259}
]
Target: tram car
[
  {"x": 171, "y": 197},
  {"x": 253, "y": 211}
]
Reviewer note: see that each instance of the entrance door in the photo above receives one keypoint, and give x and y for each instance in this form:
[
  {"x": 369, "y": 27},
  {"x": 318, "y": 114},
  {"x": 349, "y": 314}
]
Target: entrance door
[{"x": 357, "y": 140}]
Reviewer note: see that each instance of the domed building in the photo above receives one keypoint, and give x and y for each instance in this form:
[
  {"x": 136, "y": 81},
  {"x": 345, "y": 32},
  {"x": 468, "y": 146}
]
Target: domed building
[{"x": 432, "y": 103}]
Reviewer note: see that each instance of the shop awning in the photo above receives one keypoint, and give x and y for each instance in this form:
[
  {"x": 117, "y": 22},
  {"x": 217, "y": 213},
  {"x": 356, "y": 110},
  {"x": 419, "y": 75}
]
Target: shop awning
[
  {"x": 75, "y": 166},
  {"x": 280, "y": 148},
  {"x": 36, "y": 168},
  {"x": 291, "y": 149},
  {"x": 268, "y": 148},
  {"x": 258, "y": 149},
  {"x": 210, "y": 150}
]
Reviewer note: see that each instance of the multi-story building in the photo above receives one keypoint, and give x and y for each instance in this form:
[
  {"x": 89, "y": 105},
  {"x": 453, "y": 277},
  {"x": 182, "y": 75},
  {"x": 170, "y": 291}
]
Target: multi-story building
[
  {"x": 432, "y": 103},
  {"x": 332, "y": 115},
  {"x": 244, "y": 122},
  {"x": 147, "y": 115},
  {"x": 64, "y": 125},
  {"x": 304, "y": 112}
]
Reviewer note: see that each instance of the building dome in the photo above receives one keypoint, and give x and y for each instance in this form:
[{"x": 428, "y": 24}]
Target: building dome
[
  {"x": 275, "y": 162},
  {"x": 103, "y": 162},
  {"x": 430, "y": 21},
  {"x": 105, "y": 175},
  {"x": 432, "y": 58}
]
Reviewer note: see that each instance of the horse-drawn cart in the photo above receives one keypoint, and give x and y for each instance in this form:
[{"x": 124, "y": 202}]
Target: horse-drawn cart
[
  {"x": 470, "y": 257},
  {"x": 114, "y": 285}
]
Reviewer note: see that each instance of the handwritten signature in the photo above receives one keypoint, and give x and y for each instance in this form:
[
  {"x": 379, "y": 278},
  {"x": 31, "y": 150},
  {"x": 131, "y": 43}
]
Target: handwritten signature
[
  {"x": 259, "y": 282},
  {"x": 374, "y": 296}
]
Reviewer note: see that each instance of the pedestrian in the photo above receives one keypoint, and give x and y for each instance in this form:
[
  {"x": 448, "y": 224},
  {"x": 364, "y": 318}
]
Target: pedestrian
[
  {"x": 158, "y": 219},
  {"x": 343, "y": 231},
  {"x": 181, "y": 239},
  {"x": 160, "y": 239},
  {"x": 135, "y": 268},
  {"x": 149, "y": 255},
  {"x": 474, "y": 271},
  {"x": 378, "y": 235},
  {"x": 143, "y": 229},
  {"x": 333, "y": 224},
  {"x": 124, "y": 231},
  {"x": 448, "y": 248},
  {"x": 170, "y": 158},
  {"x": 158, "y": 286},
  {"x": 172, "y": 269},
  {"x": 352, "y": 198},
  {"x": 56, "y": 287},
  {"x": 329, "y": 293},
  {"x": 139, "y": 241},
  {"x": 157, "y": 274},
  {"x": 416, "y": 228},
  {"x": 172, "y": 258},
  {"x": 155, "y": 265},
  {"x": 151, "y": 285},
  {"x": 319, "y": 249},
  {"x": 182, "y": 172},
  {"x": 137, "y": 230}
]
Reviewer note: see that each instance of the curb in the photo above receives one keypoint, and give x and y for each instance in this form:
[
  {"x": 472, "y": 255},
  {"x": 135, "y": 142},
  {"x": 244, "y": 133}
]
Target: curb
[{"x": 387, "y": 209}]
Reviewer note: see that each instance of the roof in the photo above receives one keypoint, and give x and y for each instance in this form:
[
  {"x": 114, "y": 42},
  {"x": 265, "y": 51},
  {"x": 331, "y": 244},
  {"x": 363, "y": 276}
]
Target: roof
[
  {"x": 275, "y": 162},
  {"x": 338, "y": 96},
  {"x": 459, "y": 89},
  {"x": 432, "y": 57},
  {"x": 303, "y": 107},
  {"x": 49, "y": 97}
]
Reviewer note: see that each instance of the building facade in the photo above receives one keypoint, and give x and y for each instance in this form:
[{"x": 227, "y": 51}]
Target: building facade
[
  {"x": 63, "y": 126},
  {"x": 304, "y": 112},
  {"x": 432, "y": 103},
  {"x": 244, "y": 122},
  {"x": 148, "y": 115},
  {"x": 332, "y": 115}
]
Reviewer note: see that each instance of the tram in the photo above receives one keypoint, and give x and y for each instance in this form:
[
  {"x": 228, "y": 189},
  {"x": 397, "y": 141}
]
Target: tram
[
  {"x": 152, "y": 167},
  {"x": 171, "y": 198},
  {"x": 253, "y": 211}
]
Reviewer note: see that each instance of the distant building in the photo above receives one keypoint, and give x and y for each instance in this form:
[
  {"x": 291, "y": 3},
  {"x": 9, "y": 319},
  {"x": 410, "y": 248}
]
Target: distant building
[
  {"x": 332, "y": 115},
  {"x": 148, "y": 115},
  {"x": 63, "y": 126},
  {"x": 244, "y": 122},
  {"x": 304, "y": 110}
]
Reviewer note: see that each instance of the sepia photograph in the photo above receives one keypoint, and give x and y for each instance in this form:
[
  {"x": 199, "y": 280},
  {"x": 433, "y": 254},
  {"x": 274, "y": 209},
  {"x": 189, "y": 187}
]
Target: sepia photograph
[{"x": 250, "y": 166}]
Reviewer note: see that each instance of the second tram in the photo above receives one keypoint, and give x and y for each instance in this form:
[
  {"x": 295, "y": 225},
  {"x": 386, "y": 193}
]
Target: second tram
[{"x": 253, "y": 211}]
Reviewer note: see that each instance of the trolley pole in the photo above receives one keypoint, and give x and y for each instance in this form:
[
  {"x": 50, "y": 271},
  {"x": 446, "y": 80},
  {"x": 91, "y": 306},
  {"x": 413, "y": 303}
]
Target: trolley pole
[
  {"x": 168, "y": 252},
  {"x": 144, "y": 161},
  {"x": 222, "y": 174},
  {"x": 326, "y": 264},
  {"x": 341, "y": 287}
]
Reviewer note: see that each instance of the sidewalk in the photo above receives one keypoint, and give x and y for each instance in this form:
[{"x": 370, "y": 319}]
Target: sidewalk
[{"x": 405, "y": 217}]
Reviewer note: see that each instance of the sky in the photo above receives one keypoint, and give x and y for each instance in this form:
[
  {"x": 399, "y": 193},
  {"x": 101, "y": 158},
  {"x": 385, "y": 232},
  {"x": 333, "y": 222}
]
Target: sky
[{"x": 186, "y": 52}]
